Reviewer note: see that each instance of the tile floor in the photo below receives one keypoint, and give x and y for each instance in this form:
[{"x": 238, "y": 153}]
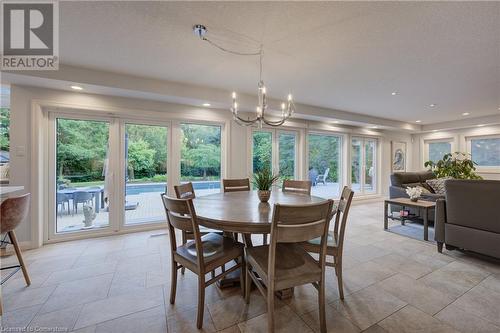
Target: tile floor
[{"x": 121, "y": 284}]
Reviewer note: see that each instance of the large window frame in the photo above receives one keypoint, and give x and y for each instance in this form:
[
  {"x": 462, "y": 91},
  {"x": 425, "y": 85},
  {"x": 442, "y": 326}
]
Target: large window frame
[
  {"x": 342, "y": 155},
  {"x": 117, "y": 158},
  {"x": 375, "y": 163},
  {"x": 468, "y": 145},
  {"x": 427, "y": 142},
  {"x": 275, "y": 133}
]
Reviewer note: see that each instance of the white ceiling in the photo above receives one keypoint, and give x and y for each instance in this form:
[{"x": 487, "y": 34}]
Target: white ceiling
[{"x": 341, "y": 55}]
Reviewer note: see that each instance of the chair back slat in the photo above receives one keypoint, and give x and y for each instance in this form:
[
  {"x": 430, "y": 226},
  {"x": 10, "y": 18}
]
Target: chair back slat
[
  {"x": 236, "y": 185},
  {"x": 297, "y": 186},
  {"x": 178, "y": 214},
  {"x": 13, "y": 211},
  {"x": 300, "y": 223},
  {"x": 184, "y": 191},
  {"x": 343, "y": 206}
]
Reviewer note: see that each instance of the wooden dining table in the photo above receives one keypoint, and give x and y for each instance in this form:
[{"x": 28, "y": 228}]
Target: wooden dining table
[{"x": 243, "y": 213}]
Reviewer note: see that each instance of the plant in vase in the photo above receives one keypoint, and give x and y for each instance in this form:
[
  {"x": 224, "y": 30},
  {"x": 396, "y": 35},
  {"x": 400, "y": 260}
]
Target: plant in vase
[
  {"x": 263, "y": 181},
  {"x": 414, "y": 193},
  {"x": 457, "y": 165}
]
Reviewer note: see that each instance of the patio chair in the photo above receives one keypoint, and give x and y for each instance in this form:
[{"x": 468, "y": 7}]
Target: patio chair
[
  {"x": 82, "y": 197},
  {"x": 62, "y": 199},
  {"x": 322, "y": 178}
]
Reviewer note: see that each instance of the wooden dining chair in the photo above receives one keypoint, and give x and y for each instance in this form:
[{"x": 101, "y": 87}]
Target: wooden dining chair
[
  {"x": 236, "y": 185},
  {"x": 186, "y": 191},
  {"x": 335, "y": 245},
  {"x": 202, "y": 255},
  {"x": 12, "y": 212},
  {"x": 297, "y": 186},
  {"x": 284, "y": 263}
]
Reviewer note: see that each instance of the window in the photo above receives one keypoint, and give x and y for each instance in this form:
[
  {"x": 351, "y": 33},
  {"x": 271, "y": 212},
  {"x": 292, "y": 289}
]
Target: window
[
  {"x": 201, "y": 157},
  {"x": 4, "y": 134},
  {"x": 275, "y": 150},
  {"x": 437, "y": 150},
  {"x": 325, "y": 151},
  {"x": 146, "y": 172},
  {"x": 363, "y": 165},
  {"x": 485, "y": 151},
  {"x": 262, "y": 151},
  {"x": 83, "y": 175}
]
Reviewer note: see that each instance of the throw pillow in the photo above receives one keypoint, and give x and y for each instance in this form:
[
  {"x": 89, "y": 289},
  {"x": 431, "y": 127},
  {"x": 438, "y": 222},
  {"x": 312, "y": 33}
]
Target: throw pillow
[
  {"x": 438, "y": 184},
  {"x": 424, "y": 190}
]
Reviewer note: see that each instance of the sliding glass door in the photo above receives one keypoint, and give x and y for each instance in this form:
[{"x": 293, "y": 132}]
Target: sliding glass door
[
  {"x": 81, "y": 176},
  {"x": 201, "y": 157},
  {"x": 324, "y": 160},
  {"x": 145, "y": 148},
  {"x": 363, "y": 165}
]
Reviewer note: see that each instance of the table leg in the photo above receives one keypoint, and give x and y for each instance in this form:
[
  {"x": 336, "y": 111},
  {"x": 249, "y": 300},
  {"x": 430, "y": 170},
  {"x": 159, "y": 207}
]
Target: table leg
[
  {"x": 97, "y": 196},
  {"x": 386, "y": 217},
  {"x": 426, "y": 224}
]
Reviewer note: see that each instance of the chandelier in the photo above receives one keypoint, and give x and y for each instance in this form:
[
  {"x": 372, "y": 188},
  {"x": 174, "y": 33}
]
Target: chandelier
[{"x": 260, "y": 118}]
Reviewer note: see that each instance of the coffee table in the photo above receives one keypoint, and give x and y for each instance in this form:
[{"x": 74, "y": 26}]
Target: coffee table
[{"x": 406, "y": 202}]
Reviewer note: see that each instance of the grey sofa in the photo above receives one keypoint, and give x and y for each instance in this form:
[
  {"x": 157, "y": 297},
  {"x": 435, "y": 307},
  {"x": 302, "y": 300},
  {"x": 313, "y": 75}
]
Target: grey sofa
[
  {"x": 469, "y": 217},
  {"x": 401, "y": 180}
]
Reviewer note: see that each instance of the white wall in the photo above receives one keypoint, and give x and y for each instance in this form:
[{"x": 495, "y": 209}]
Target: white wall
[
  {"x": 459, "y": 137},
  {"x": 24, "y": 98}
]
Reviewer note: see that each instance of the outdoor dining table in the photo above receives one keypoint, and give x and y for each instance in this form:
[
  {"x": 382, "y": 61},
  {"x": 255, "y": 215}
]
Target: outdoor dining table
[
  {"x": 242, "y": 212},
  {"x": 96, "y": 191}
]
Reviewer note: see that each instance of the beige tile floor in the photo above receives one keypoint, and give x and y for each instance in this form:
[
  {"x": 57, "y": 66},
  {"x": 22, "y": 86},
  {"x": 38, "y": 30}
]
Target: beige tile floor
[{"x": 121, "y": 284}]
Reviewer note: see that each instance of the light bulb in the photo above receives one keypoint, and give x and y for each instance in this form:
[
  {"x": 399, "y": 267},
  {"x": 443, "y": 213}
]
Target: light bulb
[
  {"x": 282, "y": 106},
  {"x": 263, "y": 90},
  {"x": 234, "y": 94},
  {"x": 289, "y": 97}
]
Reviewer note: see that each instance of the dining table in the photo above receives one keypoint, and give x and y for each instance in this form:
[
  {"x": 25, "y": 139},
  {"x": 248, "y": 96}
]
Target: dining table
[{"x": 243, "y": 213}]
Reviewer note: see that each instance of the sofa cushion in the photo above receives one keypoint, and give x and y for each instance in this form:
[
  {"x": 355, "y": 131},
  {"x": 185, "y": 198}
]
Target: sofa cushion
[{"x": 438, "y": 184}]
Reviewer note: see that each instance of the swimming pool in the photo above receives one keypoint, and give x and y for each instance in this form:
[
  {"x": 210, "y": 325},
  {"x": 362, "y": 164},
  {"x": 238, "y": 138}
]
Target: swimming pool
[{"x": 134, "y": 189}]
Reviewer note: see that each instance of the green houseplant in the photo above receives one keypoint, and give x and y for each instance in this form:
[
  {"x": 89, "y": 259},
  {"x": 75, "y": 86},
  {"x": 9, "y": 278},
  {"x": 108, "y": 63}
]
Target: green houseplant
[
  {"x": 263, "y": 181},
  {"x": 457, "y": 165}
]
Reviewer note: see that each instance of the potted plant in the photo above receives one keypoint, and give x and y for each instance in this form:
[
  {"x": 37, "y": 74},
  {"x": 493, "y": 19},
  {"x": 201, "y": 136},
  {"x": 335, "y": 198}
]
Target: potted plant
[
  {"x": 263, "y": 181},
  {"x": 457, "y": 165}
]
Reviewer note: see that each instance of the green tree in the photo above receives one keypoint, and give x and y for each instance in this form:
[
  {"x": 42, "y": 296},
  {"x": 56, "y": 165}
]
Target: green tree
[
  {"x": 324, "y": 153},
  {"x": 204, "y": 156},
  {"x": 262, "y": 151},
  {"x": 141, "y": 159}
]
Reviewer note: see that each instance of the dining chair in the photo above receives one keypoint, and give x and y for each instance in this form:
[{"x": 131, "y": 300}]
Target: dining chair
[
  {"x": 202, "y": 255},
  {"x": 186, "y": 191},
  {"x": 335, "y": 245},
  {"x": 12, "y": 212},
  {"x": 297, "y": 186},
  {"x": 235, "y": 185},
  {"x": 284, "y": 263}
]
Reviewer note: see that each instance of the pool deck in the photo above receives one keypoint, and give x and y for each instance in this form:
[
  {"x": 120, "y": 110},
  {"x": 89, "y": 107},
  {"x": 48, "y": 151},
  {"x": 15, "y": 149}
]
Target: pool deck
[{"x": 150, "y": 208}]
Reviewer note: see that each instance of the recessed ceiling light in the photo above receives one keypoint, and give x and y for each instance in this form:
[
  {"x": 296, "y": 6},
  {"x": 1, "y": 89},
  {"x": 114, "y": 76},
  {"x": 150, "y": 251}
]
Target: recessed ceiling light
[
  {"x": 394, "y": 93},
  {"x": 498, "y": 109},
  {"x": 76, "y": 88},
  {"x": 206, "y": 104},
  {"x": 418, "y": 121},
  {"x": 434, "y": 130},
  {"x": 335, "y": 121},
  {"x": 374, "y": 127},
  {"x": 480, "y": 125},
  {"x": 465, "y": 114},
  {"x": 432, "y": 105}
]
